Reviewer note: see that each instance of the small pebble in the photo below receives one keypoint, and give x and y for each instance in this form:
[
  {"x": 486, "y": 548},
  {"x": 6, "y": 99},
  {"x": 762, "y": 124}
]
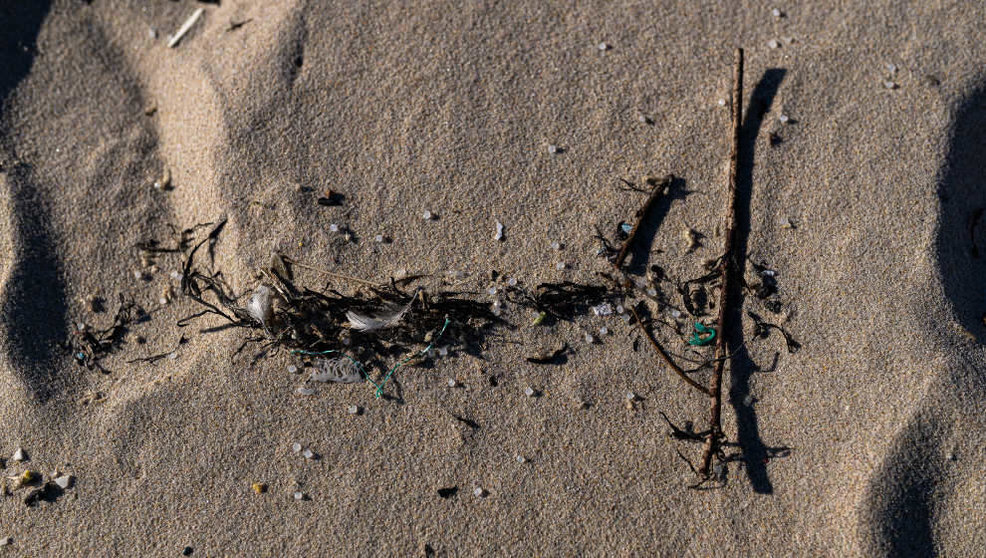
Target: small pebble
[
  {"x": 529, "y": 391},
  {"x": 138, "y": 275},
  {"x": 64, "y": 481},
  {"x": 296, "y": 447},
  {"x": 627, "y": 228},
  {"x": 603, "y": 46},
  {"x": 512, "y": 281},
  {"x": 491, "y": 290},
  {"x": 643, "y": 119},
  {"x": 783, "y": 119},
  {"x": 499, "y": 231},
  {"x": 890, "y": 85},
  {"x": 479, "y": 492},
  {"x": 426, "y": 215},
  {"x": 443, "y": 351},
  {"x": 162, "y": 301},
  {"x": 589, "y": 338},
  {"x": 299, "y": 496},
  {"x": 552, "y": 149},
  {"x": 773, "y": 43},
  {"x": 776, "y": 12},
  {"x": 151, "y": 33},
  {"x": 620, "y": 309},
  {"x": 305, "y": 391},
  {"x": 768, "y": 273},
  {"x": 721, "y": 102},
  {"x": 333, "y": 227},
  {"x": 308, "y": 454},
  {"x": 378, "y": 238},
  {"x": 604, "y": 309},
  {"x": 173, "y": 355},
  {"x": 353, "y": 409},
  {"x": 555, "y": 245},
  {"x": 292, "y": 369},
  {"x": 6, "y": 541},
  {"x": 625, "y": 318},
  {"x": 259, "y": 487},
  {"x": 521, "y": 459},
  {"x": 631, "y": 396},
  {"x": 603, "y": 330},
  {"x": 19, "y": 455},
  {"x": 651, "y": 291},
  {"x": 676, "y": 314},
  {"x": 560, "y": 265},
  {"x": 892, "y": 68},
  {"x": 452, "y": 383}
]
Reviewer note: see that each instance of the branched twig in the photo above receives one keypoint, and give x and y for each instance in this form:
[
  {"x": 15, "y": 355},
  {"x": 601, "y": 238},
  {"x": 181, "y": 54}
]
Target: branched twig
[{"x": 728, "y": 266}]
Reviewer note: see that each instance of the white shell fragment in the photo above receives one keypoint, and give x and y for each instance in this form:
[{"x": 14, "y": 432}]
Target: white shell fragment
[
  {"x": 529, "y": 391},
  {"x": 308, "y": 454},
  {"x": 426, "y": 215},
  {"x": 353, "y": 409},
  {"x": 305, "y": 391},
  {"x": 19, "y": 455},
  {"x": 773, "y": 43},
  {"x": 6, "y": 541},
  {"x": 783, "y": 119},
  {"x": 479, "y": 492},
  {"x": 64, "y": 481},
  {"x": 499, "y": 231}
]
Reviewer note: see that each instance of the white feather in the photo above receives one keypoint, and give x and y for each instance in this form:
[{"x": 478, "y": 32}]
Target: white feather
[
  {"x": 259, "y": 306},
  {"x": 360, "y": 322}
]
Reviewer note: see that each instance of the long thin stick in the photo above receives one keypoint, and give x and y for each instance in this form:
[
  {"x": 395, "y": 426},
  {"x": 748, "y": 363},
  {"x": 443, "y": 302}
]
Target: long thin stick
[
  {"x": 667, "y": 358},
  {"x": 333, "y": 274},
  {"x": 655, "y": 194},
  {"x": 728, "y": 268}
]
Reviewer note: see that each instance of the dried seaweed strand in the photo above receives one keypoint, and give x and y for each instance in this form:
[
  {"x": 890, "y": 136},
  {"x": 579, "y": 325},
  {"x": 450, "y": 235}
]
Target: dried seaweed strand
[{"x": 729, "y": 268}]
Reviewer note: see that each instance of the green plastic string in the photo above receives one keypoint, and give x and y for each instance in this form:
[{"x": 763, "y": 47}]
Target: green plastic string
[
  {"x": 390, "y": 373},
  {"x": 701, "y": 328}
]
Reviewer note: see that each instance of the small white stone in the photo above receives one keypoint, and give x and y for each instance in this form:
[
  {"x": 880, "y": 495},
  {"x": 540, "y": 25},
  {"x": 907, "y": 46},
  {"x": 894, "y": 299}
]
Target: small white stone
[
  {"x": 892, "y": 68},
  {"x": 151, "y": 33},
  {"x": 768, "y": 273},
  {"x": 773, "y": 43},
  {"x": 426, "y": 215},
  {"x": 299, "y": 496},
  {"x": 309, "y": 454},
  {"x": 676, "y": 314},
  {"x": 589, "y": 338},
  {"x": 333, "y": 227},
  {"x": 651, "y": 291},
  {"x": 292, "y": 369},
  {"x": 529, "y": 391},
  {"x": 138, "y": 275},
  {"x": 296, "y": 447},
  {"x": 19, "y": 455},
  {"x": 603, "y": 330},
  {"x": 491, "y": 290},
  {"x": 721, "y": 102},
  {"x": 783, "y": 119},
  {"x": 642, "y": 119},
  {"x": 552, "y": 149},
  {"x": 479, "y": 492},
  {"x": 603, "y": 46},
  {"x": 64, "y": 481},
  {"x": 625, "y": 318},
  {"x": 378, "y": 238},
  {"x": 305, "y": 391},
  {"x": 631, "y": 396},
  {"x": 555, "y": 245},
  {"x": 499, "y": 231},
  {"x": 353, "y": 409},
  {"x": 620, "y": 309},
  {"x": 172, "y": 355},
  {"x": 604, "y": 309},
  {"x": 776, "y": 12},
  {"x": 560, "y": 265},
  {"x": 521, "y": 459},
  {"x": 890, "y": 85},
  {"x": 452, "y": 383},
  {"x": 512, "y": 281}
]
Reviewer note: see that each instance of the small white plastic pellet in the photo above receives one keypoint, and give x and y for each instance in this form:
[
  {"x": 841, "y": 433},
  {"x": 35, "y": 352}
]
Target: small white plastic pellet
[
  {"x": 512, "y": 281},
  {"x": 333, "y": 227},
  {"x": 552, "y": 149},
  {"x": 589, "y": 338},
  {"x": 426, "y": 215},
  {"x": 555, "y": 245},
  {"x": 378, "y": 238},
  {"x": 783, "y": 119},
  {"x": 603, "y": 46},
  {"x": 296, "y": 447},
  {"x": 308, "y": 454},
  {"x": 452, "y": 383},
  {"x": 292, "y": 369},
  {"x": 353, "y": 409},
  {"x": 603, "y": 330},
  {"x": 560, "y": 265},
  {"x": 773, "y": 43},
  {"x": 776, "y": 12},
  {"x": 529, "y": 391},
  {"x": 676, "y": 314}
]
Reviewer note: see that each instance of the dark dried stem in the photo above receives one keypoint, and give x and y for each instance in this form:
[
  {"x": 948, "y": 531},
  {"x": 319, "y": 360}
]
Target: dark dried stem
[
  {"x": 728, "y": 267},
  {"x": 655, "y": 195},
  {"x": 667, "y": 358}
]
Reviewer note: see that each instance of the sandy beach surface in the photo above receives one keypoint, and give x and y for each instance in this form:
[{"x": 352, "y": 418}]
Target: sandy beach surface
[{"x": 862, "y": 161}]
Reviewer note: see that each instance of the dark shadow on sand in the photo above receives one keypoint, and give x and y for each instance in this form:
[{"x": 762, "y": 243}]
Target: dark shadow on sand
[{"x": 754, "y": 453}]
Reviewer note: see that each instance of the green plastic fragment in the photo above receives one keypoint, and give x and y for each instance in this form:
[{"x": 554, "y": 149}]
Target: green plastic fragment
[{"x": 701, "y": 329}]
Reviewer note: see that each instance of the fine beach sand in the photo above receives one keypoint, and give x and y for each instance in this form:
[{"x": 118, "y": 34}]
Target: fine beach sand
[{"x": 451, "y": 107}]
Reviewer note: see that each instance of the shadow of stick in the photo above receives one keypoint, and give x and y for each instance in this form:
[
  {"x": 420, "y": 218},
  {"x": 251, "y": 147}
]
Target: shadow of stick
[{"x": 742, "y": 367}]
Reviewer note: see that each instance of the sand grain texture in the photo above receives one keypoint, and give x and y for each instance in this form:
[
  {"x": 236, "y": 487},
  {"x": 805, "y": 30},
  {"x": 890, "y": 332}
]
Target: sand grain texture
[{"x": 451, "y": 108}]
